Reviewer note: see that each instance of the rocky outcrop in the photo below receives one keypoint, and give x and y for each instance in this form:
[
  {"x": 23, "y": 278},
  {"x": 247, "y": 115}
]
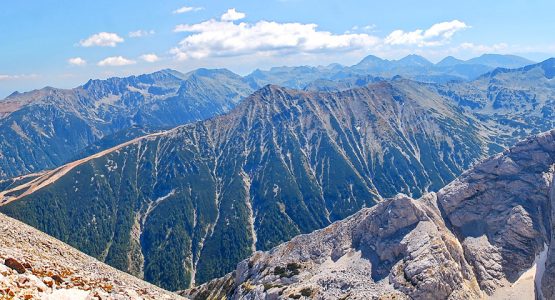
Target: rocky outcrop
[
  {"x": 36, "y": 266},
  {"x": 500, "y": 210},
  {"x": 481, "y": 236}
]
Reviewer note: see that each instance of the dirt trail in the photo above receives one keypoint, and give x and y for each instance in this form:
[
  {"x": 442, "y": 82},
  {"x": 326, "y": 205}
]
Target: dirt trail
[{"x": 51, "y": 176}]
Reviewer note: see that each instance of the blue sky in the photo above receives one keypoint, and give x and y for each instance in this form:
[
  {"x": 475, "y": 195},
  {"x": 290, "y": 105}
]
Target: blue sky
[{"x": 64, "y": 43}]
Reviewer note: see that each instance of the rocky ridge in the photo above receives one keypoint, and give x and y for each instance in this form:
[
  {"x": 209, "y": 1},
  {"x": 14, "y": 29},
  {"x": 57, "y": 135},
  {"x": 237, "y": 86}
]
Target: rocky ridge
[
  {"x": 36, "y": 266},
  {"x": 45, "y": 128},
  {"x": 484, "y": 235}
]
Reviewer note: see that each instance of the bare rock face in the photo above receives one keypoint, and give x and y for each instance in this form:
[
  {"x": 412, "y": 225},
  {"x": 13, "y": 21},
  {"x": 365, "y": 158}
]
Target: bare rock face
[
  {"x": 36, "y": 266},
  {"x": 479, "y": 237},
  {"x": 400, "y": 248},
  {"x": 500, "y": 210}
]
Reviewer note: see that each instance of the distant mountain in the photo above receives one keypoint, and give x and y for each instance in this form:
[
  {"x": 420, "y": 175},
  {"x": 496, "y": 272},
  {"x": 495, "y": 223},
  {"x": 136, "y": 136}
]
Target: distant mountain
[
  {"x": 292, "y": 77},
  {"x": 373, "y": 62},
  {"x": 412, "y": 66},
  {"x": 206, "y": 195},
  {"x": 450, "y": 61},
  {"x": 414, "y": 60},
  {"x": 45, "y": 128},
  {"x": 488, "y": 234},
  {"x": 500, "y": 61},
  {"x": 515, "y": 102}
]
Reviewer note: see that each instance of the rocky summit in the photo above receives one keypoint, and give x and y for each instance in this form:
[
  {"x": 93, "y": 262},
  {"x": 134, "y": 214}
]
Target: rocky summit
[
  {"x": 34, "y": 265},
  {"x": 486, "y": 235}
]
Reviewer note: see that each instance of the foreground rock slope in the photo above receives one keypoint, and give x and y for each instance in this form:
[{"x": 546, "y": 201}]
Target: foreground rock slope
[
  {"x": 488, "y": 234},
  {"x": 36, "y": 266}
]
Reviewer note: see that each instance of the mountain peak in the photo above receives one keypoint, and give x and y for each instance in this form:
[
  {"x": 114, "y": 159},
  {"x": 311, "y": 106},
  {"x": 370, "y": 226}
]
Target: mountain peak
[
  {"x": 548, "y": 67},
  {"x": 168, "y": 72},
  {"x": 371, "y": 58},
  {"x": 372, "y": 62},
  {"x": 414, "y": 59},
  {"x": 450, "y": 61}
]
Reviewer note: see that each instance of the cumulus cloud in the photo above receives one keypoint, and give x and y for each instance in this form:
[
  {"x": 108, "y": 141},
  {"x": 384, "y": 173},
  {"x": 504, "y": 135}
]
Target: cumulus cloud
[
  {"x": 77, "y": 61},
  {"x": 150, "y": 57},
  {"x": 436, "y": 35},
  {"x": 102, "y": 39},
  {"x": 223, "y": 38},
  {"x": 186, "y": 9},
  {"x": 141, "y": 33},
  {"x": 115, "y": 61},
  {"x": 233, "y": 15}
]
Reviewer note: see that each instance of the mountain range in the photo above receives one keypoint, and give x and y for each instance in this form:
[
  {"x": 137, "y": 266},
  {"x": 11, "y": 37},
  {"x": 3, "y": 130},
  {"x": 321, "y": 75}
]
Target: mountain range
[
  {"x": 45, "y": 128},
  {"x": 412, "y": 66},
  {"x": 258, "y": 165},
  {"x": 208, "y": 194},
  {"x": 103, "y": 113}
]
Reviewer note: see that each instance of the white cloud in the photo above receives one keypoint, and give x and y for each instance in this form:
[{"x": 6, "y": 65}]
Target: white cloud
[
  {"x": 366, "y": 28},
  {"x": 478, "y": 48},
  {"x": 437, "y": 35},
  {"x": 221, "y": 38},
  {"x": 232, "y": 15},
  {"x": 115, "y": 61},
  {"x": 186, "y": 9},
  {"x": 77, "y": 61},
  {"x": 150, "y": 57},
  {"x": 18, "y": 76},
  {"x": 141, "y": 33},
  {"x": 102, "y": 39}
]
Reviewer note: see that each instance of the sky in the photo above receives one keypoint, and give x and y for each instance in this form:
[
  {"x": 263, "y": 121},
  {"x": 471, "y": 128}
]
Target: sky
[{"x": 64, "y": 43}]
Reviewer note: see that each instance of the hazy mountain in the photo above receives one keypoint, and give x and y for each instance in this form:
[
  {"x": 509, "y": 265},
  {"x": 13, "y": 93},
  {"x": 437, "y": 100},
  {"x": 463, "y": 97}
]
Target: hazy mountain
[
  {"x": 515, "y": 102},
  {"x": 206, "y": 195},
  {"x": 45, "y": 128},
  {"x": 487, "y": 234},
  {"x": 412, "y": 66},
  {"x": 292, "y": 77},
  {"x": 450, "y": 61},
  {"x": 500, "y": 61}
]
